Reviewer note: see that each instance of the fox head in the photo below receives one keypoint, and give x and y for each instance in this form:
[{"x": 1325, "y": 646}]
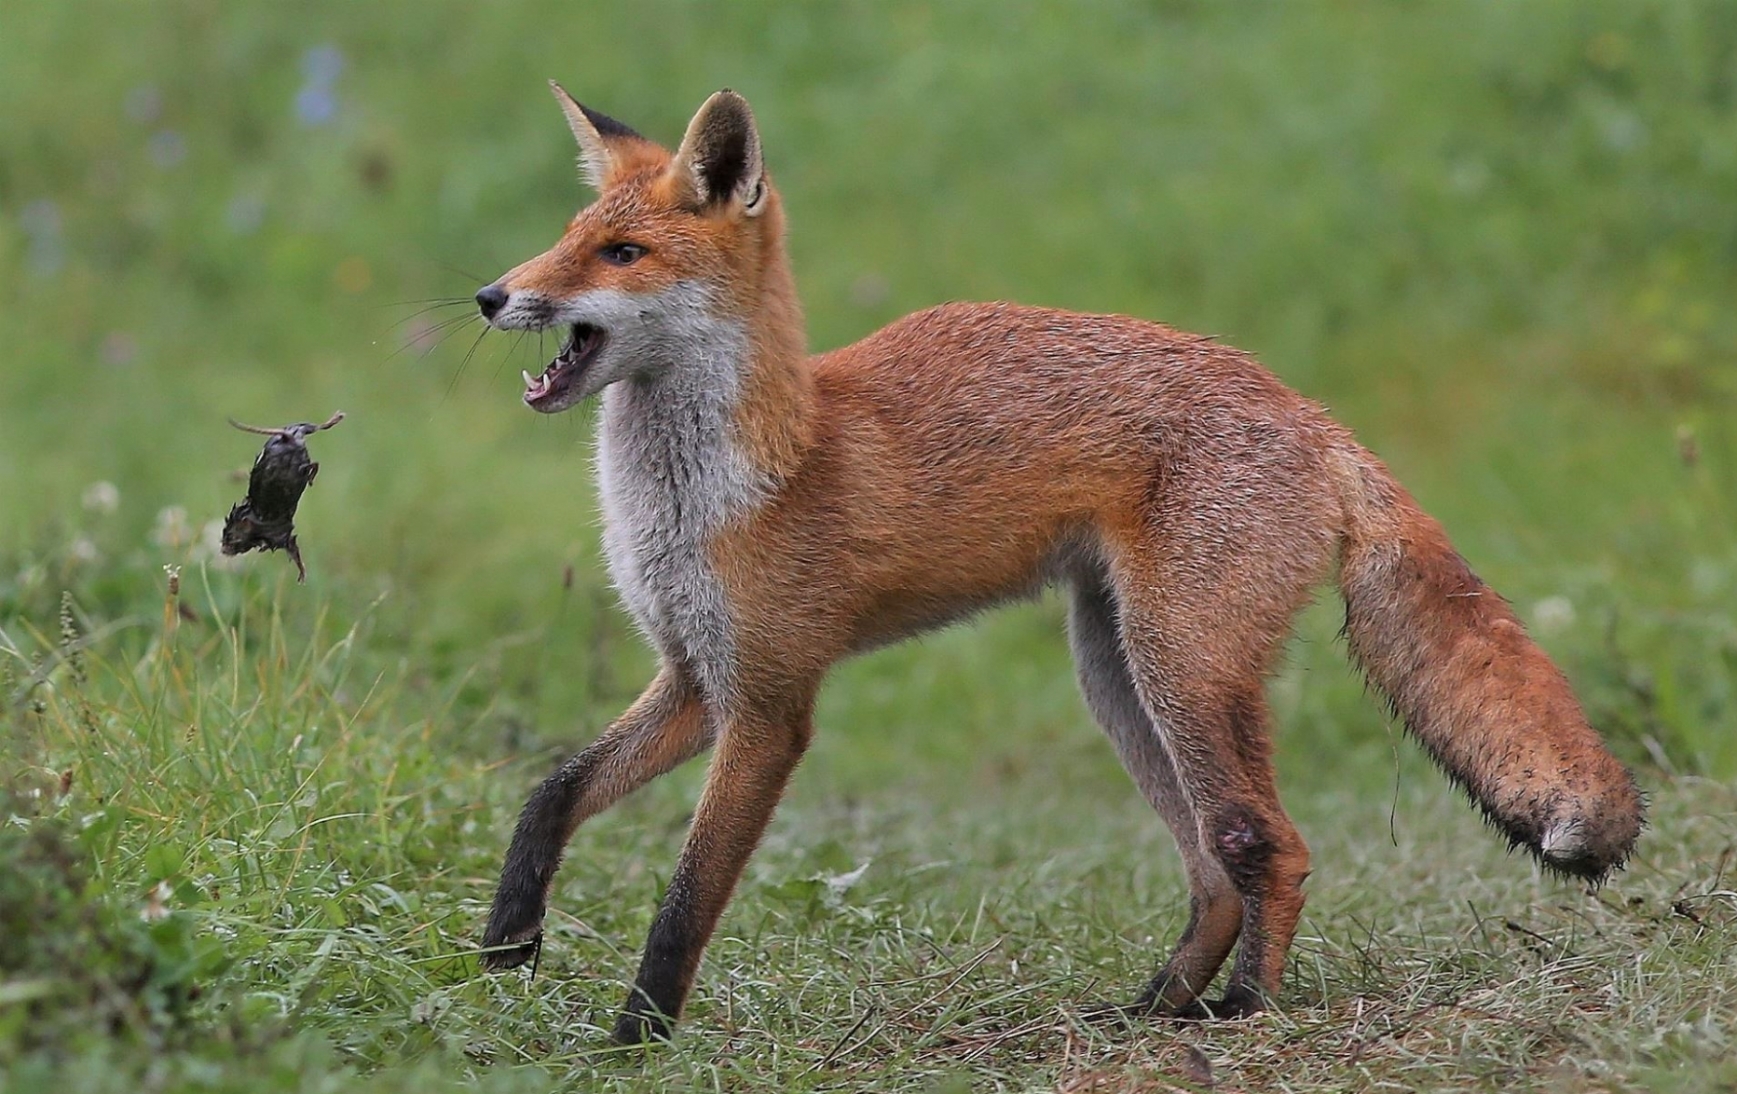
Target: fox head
[{"x": 667, "y": 265}]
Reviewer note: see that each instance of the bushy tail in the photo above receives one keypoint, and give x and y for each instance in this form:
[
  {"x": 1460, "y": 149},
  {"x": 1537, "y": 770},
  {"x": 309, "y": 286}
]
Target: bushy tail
[{"x": 1484, "y": 700}]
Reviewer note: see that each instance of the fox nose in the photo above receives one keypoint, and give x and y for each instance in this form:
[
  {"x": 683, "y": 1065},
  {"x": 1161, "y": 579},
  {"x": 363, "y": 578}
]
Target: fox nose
[{"x": 491, "y": 299}]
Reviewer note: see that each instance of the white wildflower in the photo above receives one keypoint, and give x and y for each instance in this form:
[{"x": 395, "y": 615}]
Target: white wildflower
[
  {"x": 210, "y": 541},
  {"x": 1553, "y": 614},
  {"x": 102, "y": 497},
  {"x": 171, "y": 528},
  {"x": 209, "y": 548},
  {"x": 156, "y": 903}
]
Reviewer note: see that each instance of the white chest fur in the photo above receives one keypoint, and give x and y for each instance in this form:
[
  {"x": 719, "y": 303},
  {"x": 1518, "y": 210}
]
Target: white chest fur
[{"x": 670, "y": 478}]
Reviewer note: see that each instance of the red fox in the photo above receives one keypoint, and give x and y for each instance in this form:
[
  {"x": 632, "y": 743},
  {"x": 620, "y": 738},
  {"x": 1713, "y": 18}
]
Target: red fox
[{"x": 767, "y": 513}]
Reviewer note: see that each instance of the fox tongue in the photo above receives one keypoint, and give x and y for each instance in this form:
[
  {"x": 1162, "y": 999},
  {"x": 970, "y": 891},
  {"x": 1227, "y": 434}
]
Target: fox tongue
[{"x": 539, "y": 386}]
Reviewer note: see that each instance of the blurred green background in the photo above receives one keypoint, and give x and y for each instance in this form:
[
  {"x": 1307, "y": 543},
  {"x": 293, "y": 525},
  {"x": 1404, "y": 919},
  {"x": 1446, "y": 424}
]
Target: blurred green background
[{"x": 1499, "y": 240}]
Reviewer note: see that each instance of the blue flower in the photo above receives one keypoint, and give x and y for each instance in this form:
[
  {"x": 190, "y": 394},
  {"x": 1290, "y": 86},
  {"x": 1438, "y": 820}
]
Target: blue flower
[
  {"x": 317, "y": 101},
  {"x": 323, "y": 64},
  {"x": 41, "y": 223},
  {"x": 168, "y": 148},
  {"x": 316, "y": 105}
]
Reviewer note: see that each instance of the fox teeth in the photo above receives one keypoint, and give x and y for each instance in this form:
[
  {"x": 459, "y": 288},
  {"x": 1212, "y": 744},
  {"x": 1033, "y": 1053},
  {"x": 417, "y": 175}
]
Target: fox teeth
[{"x": 530, "y": 381}]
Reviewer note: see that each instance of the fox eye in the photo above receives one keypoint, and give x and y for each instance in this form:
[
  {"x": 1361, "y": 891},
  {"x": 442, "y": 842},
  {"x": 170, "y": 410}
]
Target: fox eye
[{"x": 622, "y": 254}]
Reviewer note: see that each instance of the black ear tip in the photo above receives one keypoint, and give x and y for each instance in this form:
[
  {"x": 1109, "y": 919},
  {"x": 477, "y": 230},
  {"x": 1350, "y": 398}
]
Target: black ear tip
[{"x": 605, "y": 125}]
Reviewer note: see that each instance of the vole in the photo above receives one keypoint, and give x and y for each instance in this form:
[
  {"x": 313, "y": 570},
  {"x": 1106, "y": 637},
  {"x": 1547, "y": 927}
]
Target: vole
[{"x": 265, "y": 519}]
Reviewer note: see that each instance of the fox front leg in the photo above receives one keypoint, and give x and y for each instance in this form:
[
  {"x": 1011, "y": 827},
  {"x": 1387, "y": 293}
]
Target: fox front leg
[
  {"x": 755, "y": 758},
  {"x": 663, "y": 728}
]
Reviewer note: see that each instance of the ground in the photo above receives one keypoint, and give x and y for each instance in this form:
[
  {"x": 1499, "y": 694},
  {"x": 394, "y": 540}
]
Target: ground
[{"x": 254, "y": 826}]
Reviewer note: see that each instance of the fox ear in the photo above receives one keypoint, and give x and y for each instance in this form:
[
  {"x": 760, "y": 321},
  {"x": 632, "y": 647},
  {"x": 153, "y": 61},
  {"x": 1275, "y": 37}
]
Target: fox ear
[
  {"x": 719, "y": 157},
  {"x": 598, "y": 134}
]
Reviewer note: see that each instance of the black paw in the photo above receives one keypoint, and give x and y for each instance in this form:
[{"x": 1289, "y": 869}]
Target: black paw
[
  {"x": 1240, "y": 1001},
  {"x": 1127, "y": 1015},
  {"x": 634, "y": 1027},
  {"x": 1194, "y": 1011},
  {"x": 514, "y": 934},
  {"x": 503, "y": 953}
]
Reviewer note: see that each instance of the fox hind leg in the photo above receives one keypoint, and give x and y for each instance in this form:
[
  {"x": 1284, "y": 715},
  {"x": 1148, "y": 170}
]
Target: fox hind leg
[
  {"x": 1198, "y": 663},
  {"x": 1215, "y": 908}
]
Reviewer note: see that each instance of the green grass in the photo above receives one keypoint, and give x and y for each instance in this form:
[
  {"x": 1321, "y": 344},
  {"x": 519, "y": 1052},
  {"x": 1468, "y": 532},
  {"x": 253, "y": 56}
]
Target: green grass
[{"x": 1497, "y": 239}]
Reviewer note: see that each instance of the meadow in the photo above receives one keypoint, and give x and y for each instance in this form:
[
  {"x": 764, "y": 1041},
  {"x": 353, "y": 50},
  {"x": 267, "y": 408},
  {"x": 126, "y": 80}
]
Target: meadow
[{"x": 252, "y": 827}]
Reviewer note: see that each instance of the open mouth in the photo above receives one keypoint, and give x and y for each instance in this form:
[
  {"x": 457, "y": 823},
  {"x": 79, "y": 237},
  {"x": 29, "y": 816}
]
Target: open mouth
[{"x": 558, "y": 378}]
